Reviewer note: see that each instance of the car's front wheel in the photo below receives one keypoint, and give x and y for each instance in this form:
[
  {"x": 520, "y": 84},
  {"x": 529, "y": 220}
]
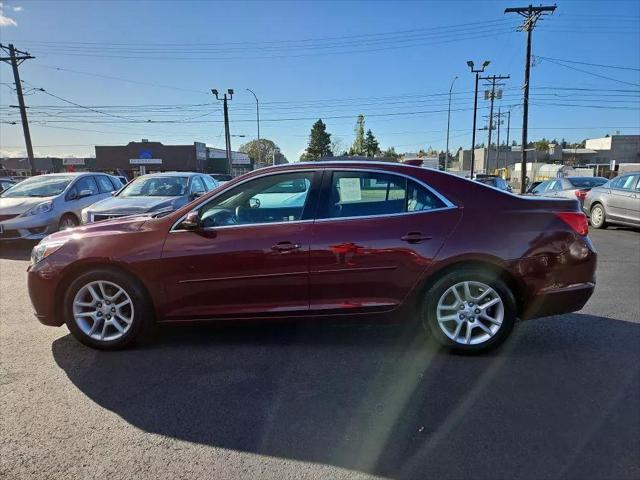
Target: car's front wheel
[
  {"x": 469, "y": 310},
  {"x": 106, "y": 309},
  {"x": 598, "y": 217}
]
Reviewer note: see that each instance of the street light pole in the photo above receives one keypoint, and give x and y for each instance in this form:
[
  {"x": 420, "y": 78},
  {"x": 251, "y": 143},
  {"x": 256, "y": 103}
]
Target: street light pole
[
  {"x": 446, "y": 155},
  {"x": 475, "y": 110},
  {"x": 258, "y": 119}
]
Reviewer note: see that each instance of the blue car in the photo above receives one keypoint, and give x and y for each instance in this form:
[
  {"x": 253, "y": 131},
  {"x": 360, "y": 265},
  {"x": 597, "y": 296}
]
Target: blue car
[{"x": 155, "y": 194}]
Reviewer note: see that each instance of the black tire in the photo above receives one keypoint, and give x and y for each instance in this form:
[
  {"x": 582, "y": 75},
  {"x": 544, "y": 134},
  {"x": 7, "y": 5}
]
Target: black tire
[
  {"x": 142, "y": 319},
  {"x": 469, "y": 274},
  {"x": 68, "y": 220},
  {"x": 603, "y": 216}
]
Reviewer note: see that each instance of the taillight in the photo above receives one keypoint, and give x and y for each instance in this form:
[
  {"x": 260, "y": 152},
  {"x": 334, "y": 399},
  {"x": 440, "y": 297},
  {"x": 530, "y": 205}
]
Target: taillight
[
  {"x": 581, "y": 194},
  {"x": 576, "y": 220}
]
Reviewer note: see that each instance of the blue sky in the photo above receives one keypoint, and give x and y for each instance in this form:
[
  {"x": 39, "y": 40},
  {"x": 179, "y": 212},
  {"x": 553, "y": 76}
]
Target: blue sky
[{"x": 391, "y": 61}]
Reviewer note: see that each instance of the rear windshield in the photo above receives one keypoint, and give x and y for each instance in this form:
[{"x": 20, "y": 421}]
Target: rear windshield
[{"x": 587, "y": 182}]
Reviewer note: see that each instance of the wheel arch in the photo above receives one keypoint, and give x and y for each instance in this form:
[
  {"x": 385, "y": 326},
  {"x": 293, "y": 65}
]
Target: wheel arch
[
  {"x": 76, "y": 270},
  {"x": 486, "y": 263}
]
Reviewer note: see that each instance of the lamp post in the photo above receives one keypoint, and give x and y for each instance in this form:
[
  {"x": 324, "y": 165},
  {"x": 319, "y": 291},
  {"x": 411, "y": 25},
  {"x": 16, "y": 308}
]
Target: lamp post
[
  {"x": 446, "y": 155},
  {"x": 258, "y": 119},
  {"x": 478, "y": 71}
]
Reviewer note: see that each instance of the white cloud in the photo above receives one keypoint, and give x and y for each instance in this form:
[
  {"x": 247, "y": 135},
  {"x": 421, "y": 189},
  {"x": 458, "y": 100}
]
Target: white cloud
[
  {"x": 17, "y": 9},
  {"x": 7, "y": 22}
]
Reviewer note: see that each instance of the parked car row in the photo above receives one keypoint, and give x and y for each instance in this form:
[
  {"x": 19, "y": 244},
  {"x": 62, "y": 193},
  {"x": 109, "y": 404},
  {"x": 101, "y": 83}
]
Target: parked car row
[
  {"x": 342, "y": 240},
  {"x": 44, "y": 204}
]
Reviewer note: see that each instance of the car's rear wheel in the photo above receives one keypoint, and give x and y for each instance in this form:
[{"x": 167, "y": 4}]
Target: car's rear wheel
[
  {"x": 469, "y": 310},
  {"x": 598, "y": 217},
  {"x": 68, "y": 220},
  {"x": 106, "y": 309}
]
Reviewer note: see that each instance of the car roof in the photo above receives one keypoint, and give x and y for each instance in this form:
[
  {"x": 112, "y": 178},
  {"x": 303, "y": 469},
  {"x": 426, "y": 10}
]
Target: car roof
[{"x": 171, "y": 174}]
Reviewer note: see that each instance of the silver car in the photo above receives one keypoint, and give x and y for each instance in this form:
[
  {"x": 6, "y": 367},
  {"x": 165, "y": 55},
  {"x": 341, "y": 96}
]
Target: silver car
[
  {"x": 569, "y": 187},
  {"x": 40, "y": 205},
  {"x": 152, "y": 194},
  {"x": 615, "y": 202}
]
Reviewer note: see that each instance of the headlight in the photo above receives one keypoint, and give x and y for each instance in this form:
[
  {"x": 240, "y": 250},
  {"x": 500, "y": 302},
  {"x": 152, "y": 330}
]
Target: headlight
[
  {"x": 44, "y": 249},
  {"x": 43, "y": 207},
  {"x": 85, "y": 216}
]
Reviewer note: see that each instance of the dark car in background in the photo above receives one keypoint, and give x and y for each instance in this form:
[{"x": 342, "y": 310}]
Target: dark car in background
[
  {"x": 375, "y": 241},
  {"x": 156, "y": 193},
  {"x": 615, "y": 202},
  {"x": 568, "y": 187}
]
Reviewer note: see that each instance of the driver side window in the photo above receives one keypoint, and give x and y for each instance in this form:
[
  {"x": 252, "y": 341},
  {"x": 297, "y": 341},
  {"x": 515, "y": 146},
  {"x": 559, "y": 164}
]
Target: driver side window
[{"x": 274, "y": 198}]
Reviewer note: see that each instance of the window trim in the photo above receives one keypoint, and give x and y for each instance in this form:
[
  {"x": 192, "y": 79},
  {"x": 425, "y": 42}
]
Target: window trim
[{"x": 323, "y": 171}]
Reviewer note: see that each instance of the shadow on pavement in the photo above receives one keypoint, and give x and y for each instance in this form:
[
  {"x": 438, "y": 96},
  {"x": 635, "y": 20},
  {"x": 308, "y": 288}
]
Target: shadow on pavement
[
  {"x": 16, "y": 250},
  {"x": 559, "y": 400}
]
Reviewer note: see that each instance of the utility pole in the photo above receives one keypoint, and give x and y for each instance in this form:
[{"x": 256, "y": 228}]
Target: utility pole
[
  {"x": 258, "y": 118},
  {"x": 498, "y": 141},
  {"x": 493, "y": 82},
  {"x": 227, "y": 135},
  {"x": 531, "y": 15},
  {"x": 15, "y": 58},
  {"x": 446, "y": 155},
  {"x": 477, "y": 71},
  {"x": 506, "y": 153}
]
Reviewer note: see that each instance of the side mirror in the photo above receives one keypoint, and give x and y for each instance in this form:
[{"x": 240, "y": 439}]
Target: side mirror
[
  {"x": 191, "y": 221},
  {"x": 85, "y": 193},
  {"x": 195, "y": 195}
]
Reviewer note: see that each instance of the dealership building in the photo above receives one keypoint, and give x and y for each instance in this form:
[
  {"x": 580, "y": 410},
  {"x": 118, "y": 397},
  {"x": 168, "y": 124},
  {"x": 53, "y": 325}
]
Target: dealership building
[{"x": 138, "y": 158}]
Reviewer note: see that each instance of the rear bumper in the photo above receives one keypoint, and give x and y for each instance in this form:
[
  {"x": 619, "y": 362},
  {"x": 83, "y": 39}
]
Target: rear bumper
[{"x": 557, "y": 301}]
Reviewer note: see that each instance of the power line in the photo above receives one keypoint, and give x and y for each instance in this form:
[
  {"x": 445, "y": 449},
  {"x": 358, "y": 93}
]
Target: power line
[
  {"x": 589, "y": 64},
  {"x": 593, "y": 74}
]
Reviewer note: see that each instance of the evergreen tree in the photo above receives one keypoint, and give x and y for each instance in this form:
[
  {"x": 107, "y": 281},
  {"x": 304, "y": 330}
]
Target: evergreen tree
[
  {"x": 319, "y": 142},
  {"x": 371, "y": 145},
  {"x": 391, "y": 154},
  {"x": 358, "y": 147}
]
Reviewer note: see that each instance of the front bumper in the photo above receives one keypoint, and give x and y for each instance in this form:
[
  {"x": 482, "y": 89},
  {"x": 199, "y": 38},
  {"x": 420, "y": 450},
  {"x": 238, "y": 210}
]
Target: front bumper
[
  {"x": 43, "y": 280},
  {"x": 35, "y": 227}
]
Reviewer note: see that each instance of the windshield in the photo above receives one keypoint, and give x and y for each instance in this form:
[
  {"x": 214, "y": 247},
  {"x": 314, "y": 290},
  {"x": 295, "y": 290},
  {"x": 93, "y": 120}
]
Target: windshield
[
  {"x": 587, "y": 182},
  {"x": 156, "y": 187},
  {"x": 41, "y": 186}
]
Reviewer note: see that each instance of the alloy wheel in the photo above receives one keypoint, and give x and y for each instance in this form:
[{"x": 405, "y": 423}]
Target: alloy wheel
[
  {"x": 103, "y": 310},
  {"x": 597, "y": 215},
  {"x": 470, "y": 313}
]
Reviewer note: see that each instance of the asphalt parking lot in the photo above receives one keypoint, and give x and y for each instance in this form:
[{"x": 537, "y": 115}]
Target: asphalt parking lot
[{"x": 560, "y": 400}]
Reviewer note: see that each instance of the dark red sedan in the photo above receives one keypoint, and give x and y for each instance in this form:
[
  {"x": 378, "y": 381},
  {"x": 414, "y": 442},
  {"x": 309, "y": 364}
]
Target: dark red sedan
[{"x": 363, "y": 240}]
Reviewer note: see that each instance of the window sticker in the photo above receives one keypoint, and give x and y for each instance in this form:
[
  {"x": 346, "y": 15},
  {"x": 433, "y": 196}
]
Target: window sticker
[{"x": 350, "y": 189}]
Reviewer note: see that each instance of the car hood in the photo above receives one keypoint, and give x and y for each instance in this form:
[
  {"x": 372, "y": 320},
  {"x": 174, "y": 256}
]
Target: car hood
[
  {"x": 135, "y": 205},
  {"x": 107, "y": 227},
  {"x": 19, "y": 205}
]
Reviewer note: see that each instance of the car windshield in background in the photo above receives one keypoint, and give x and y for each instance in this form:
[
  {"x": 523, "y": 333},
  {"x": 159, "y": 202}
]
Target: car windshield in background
[
  {"x": 587, "y": 182},
  {"x": 156, "y": 187},
  {"x": 40, "y": 186}
]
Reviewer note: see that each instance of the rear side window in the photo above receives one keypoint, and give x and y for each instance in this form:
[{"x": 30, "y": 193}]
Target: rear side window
[
  {"x": 363, "y": 194},
  {"x": 104, "y": 184},
  {"x": 209, "y": 182}
]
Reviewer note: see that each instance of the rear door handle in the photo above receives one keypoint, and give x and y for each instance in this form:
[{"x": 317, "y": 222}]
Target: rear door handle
[
  {"x": 415, "y": 237},
  {"x": 285, "y": 247}
]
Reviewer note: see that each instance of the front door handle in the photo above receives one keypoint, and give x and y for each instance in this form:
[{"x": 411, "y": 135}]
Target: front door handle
[
  {"x": 285, "y": 247},
  {"x": 415, "y": 237}
]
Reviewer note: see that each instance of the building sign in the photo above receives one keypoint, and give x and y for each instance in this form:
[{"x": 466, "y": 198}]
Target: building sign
[
  {"x": 238, "y": 158},
  {"x": 145, "y": 161},
  {"x": 73, "y": 161},
  {"x": 201, "y": 151}
]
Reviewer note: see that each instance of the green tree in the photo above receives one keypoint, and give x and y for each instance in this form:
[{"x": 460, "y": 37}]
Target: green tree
[
  {"x": 358, "y": 147},
  {"x": 267, "y": 147},
  {"x": 542, "y": 145},
  {"x": 391, "y": 154},
  {"x": 371, "y": 145},
  {"x": 319, "y": 142}
]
